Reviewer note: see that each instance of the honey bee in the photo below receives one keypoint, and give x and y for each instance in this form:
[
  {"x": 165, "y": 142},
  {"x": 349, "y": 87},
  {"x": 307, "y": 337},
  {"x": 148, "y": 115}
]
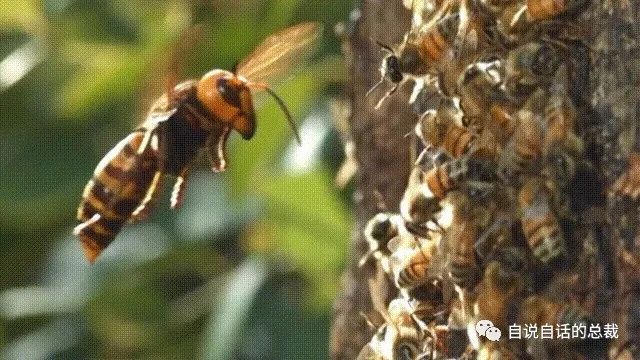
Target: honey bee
[
  {"x": 378, "y": 232},
  {"x": 414, "y": 264},
  {"x": 401, "y": 336},
  {"x": 517, "y": 19},
  {"x": 528, "y": 138},
  {"x": 437, "y": 49},
  {"x": 498, "y": 350},
  {"x": 537, "y": 309},
  {"x": 540, "y": 309},
  {"x": 628, "y": 183},
  {"x": 195, "y": 114},
  {"x": 504, "y": 282},
  {"x": 421, "y": 200},
  {"x": 529, "y": 66},
  {"x": 523, "y": 152},
  {"x": 467, "y": 223},
  {"x": 483, "y": 101},
  {"x": 563, "y": 150},
  {"x": 559, "y": 118},
  {"x": 548, "y": 9},
  {"x": 505, "y": 279},
  {"x": 445, "y": 132},
  {"x": 421, "y": 53},
  {"x": 539, "y": 223}
]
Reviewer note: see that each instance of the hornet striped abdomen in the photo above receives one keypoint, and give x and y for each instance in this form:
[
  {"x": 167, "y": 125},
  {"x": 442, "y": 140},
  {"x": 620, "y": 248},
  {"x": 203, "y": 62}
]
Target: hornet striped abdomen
[{"x": 118, "y": 187}]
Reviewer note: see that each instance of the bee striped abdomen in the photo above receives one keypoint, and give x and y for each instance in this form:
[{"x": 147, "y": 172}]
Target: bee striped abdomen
[
  {"x": 457, "y": 141},
  {"x": 545, "y": 9},
  {"x": 463, "y": 266},
  {"x": 539, "y": 224},
  {"x": 434, "y": 46},
  {"x": 415, "y": 273},
  {"x": 438, "y": 181},
  {"x": 119, "y": 184},
  {"x": 439, "y": 40}
]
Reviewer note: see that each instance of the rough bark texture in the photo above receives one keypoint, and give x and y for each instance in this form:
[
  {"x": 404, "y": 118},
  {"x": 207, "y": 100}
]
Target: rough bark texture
[
  {"x": 615, "y": 79},
  {"x": 382, "y": 153}
]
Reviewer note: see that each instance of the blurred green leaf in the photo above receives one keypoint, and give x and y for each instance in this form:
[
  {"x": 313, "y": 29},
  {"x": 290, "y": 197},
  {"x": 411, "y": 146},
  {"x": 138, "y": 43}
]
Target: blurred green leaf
[
  {"x": 29, "y": 18},
  {"x": 222, "y": 331},
  {"x": 308, "y": 224},
  {"x": 42, "y": 161}
]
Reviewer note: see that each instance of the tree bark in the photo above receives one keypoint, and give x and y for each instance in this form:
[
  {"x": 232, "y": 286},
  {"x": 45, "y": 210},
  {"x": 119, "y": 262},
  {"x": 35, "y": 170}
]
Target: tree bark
[
  {"x": 614, "y": 94},
  {"x": 382, "y": 155},
  {"x": 382, "y": 152}
]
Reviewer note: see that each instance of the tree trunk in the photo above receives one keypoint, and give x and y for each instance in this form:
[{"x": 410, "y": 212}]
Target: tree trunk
[{"x": 382, "y": 152}]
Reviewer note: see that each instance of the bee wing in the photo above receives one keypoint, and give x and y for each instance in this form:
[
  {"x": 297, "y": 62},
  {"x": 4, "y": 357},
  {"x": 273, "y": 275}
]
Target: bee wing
[
  {"x": 368, "y": 353},
  {"x": 435, "y": 17},
  {"x": 185, "y": 43},
  {"x": 417, "y": 8},
  {"x": 279, "y": 52},
  {"x": 150, "y": 124},
  {"x": 395, "y": 243}
]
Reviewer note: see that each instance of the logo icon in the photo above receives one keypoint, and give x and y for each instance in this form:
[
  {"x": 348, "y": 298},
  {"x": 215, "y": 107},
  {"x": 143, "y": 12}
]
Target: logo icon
[{"x": 486, "y": 328}]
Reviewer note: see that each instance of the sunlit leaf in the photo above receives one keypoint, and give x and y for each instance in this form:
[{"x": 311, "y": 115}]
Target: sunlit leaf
[
  {"x": 19, "y": 63},
  {"x": 222, "y": 331},
  {"x": 44, "y": 343},
  {"x": 29, "y": 18},
  {"x": 307, "y": 223}
]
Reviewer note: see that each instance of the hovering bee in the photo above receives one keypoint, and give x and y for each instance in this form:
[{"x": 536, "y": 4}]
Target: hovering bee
[
  {"x": 193, "y": 115},
  {"x": 539, "y": 223}
]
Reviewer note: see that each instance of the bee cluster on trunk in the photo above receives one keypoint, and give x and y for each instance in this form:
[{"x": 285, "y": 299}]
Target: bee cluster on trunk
[{"x": 501, "y": 219}]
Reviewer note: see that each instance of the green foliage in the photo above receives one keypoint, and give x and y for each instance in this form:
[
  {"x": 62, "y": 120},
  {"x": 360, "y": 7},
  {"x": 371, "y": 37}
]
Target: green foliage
[
  {"x": 308, "y": 225},
  {"x": 254, "y": 255}
]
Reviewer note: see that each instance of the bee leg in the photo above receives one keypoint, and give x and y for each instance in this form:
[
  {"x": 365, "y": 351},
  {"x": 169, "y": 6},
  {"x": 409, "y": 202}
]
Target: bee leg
[
  {"x": 144, "y": 209},
  {"x": 216, "y": 148},
  {"x": 628, "y": 184},
  {"x": 177, "y": 195}
]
